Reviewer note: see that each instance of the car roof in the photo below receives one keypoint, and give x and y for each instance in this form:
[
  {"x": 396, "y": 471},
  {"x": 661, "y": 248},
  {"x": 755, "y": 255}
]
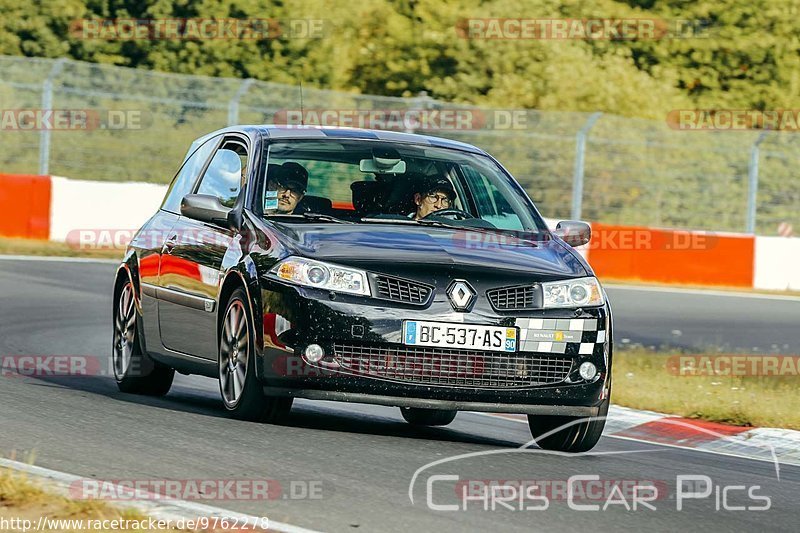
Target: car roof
[{"x": 272, "y": 131}]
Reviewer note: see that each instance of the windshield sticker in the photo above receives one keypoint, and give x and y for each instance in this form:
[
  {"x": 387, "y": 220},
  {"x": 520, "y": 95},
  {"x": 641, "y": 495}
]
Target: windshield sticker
[{"x": 270, "y": 200}]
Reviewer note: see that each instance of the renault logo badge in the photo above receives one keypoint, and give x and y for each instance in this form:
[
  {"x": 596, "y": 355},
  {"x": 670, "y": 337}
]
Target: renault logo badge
[{"x": 461, "y": 294}]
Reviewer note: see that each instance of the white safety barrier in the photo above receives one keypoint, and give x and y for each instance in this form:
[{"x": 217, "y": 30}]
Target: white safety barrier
[
  {"x": 776, "y": 263},
  {"x": 77, "y": 205}
]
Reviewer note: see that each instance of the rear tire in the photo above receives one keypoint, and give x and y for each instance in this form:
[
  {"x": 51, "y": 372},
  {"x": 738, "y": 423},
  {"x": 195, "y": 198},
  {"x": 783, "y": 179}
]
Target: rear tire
[
  {"x": 241, "y": 391},
  {"x": 576, "y": 438},
  {"x": 417, "y": 416},
  {"x": 134, "y": 371}
]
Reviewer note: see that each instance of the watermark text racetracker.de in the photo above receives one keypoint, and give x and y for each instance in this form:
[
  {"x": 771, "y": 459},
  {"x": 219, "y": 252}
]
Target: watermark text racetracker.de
[
  {"x": 197, "y": 489},
  {"x": 623, "y": 239},
  {"x": 72, "y": 366},
  {"x": 53, "y": 365},
  {"x": 198, "y": 29},
  {"x": 734, "y": 119},
  {"x": 112, "y": 238},
  {"x": 615, "y": 29},
  {"x": 415, "y": 119},
  {"x": 733, "y": 365},
  {"x": 37, "y": 119}
]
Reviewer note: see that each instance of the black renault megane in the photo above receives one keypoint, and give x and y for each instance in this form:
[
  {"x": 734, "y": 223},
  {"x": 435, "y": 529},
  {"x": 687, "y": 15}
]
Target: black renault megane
[{"x": 364, "y": 266}]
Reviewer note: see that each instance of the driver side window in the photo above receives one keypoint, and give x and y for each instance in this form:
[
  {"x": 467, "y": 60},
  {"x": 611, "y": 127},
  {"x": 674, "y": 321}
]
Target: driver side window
[
  {"x": 188, "y": 174},
  {"x": 225, "y": 175}
]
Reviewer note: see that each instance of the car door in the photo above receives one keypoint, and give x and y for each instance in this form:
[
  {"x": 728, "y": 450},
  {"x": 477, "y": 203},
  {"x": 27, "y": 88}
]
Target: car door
[
  {"x": 192, "y": 260},
  {"x": 149, "y": 241}
]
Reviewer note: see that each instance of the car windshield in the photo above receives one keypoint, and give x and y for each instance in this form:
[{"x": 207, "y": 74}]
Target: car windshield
[{"x": 364, "y": 182}]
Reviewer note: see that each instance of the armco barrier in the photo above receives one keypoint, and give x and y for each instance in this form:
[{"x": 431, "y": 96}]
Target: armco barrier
[
  {"x": 672, "y": 256},
  {"x": 42, "y": 207},
  {"x": 25, "y": 206}
]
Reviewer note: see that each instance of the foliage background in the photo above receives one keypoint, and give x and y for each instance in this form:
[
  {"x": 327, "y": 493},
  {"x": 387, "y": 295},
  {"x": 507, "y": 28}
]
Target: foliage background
[
  {"x": 748, "y": 55},
  {"x": 638, "y": 171}
]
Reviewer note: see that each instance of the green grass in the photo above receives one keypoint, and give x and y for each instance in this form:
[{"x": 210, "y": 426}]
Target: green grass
[
  {"x": 21, "y": 497},
  {"x": 16, "y": 246},
  {"x": 641, "y": 380}
]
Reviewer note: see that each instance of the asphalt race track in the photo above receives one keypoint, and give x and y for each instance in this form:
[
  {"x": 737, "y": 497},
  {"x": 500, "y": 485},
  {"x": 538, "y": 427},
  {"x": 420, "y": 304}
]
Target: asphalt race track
[
  {"x": 706, "y": 320},
  {"x": 360, "y": 459}
]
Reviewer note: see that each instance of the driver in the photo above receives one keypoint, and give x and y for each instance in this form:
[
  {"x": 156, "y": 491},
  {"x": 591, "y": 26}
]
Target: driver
[
  {"x": 435, "y": 194},
  {"x": 290, "y": 181}
]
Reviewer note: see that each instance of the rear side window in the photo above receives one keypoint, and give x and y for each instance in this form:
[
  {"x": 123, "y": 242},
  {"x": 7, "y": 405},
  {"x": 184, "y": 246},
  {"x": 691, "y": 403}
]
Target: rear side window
[{"x": 187, "y": 176}]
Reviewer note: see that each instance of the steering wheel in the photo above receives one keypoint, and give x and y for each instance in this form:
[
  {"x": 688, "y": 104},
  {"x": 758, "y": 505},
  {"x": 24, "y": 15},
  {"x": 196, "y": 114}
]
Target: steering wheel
[{"x": 456, "y": 214}]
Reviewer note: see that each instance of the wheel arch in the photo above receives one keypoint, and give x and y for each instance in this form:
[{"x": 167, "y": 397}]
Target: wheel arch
[
  {"x": 128, "y": 271},
  {"x": 243, "y": 276}
]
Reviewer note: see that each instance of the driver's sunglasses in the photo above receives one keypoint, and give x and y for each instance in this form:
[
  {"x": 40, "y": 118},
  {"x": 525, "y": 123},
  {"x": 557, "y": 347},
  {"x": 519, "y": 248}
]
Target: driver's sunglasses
[
  {"x": 433, "y": 198},
  {"x": 282, "y": 189}
]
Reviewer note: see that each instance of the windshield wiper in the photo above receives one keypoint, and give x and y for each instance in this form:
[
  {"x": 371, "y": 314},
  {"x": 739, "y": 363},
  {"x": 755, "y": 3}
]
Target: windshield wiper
[
  {"x": 389, "y": 220},
  {"x": 326, "y": 218},
  {"x": 310, "y": 216},
  {"x": 414, "y": 222},
  {"x": 439, "y": 224}
]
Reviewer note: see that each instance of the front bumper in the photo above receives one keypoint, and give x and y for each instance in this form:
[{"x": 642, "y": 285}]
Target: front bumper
[{"x": 295, "y": 317}]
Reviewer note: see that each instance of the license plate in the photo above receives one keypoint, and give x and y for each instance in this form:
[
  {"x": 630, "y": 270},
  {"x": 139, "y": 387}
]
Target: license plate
[{"x": 473, "y": 337}]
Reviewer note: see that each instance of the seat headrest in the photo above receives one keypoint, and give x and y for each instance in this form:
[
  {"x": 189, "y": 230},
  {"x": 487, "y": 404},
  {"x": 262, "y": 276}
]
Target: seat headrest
[
  {"x": 400, "y": 199},
  {"x": 315, "y": 204},
  {"x": 368, "y": 197}
]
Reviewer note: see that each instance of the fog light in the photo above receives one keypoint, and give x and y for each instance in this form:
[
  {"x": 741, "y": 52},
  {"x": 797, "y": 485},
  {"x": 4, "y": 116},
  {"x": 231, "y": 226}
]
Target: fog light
[
  {"x": 314, "y": 353},
  {"x": 587, "y": 371}
]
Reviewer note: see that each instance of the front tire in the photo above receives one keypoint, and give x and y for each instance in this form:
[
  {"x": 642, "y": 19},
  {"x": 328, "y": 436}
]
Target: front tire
[
  {"x": 134, "y": 371},
  {"x": 578, "y": 437},
  {"x": 417, "y": 416},
  {"x": 241, "y": 391}
]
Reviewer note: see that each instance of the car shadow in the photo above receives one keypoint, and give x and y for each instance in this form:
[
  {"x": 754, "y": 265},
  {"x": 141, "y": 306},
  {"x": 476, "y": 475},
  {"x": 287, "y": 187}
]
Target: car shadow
[
  {"x": 324, "y": 418},
  {"x": 305, "y": 415}
]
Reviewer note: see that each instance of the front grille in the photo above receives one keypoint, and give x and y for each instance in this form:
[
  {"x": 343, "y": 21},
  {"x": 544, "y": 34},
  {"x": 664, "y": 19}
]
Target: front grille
[
  {"x": 451, "y": 367},
  {"x": 513, "y": 298},
  {"x": 401, "y": 290}
]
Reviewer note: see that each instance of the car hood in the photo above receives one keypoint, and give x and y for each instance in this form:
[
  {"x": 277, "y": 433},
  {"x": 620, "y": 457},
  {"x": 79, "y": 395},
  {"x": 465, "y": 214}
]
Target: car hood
[{"x": 380, "y": 247}]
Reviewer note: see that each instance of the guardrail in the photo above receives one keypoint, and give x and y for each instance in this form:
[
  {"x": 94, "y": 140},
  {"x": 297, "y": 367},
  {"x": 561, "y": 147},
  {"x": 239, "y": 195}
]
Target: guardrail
[{"x": 102, "y": 214}]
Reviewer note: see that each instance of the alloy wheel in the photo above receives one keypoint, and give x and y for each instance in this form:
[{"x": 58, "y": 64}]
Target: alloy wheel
[
  {"x": 124, "y": 331},
  {"x": 234, "y": 353}
]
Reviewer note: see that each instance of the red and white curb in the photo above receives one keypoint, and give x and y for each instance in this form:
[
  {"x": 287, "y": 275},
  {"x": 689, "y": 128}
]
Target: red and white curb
[
  {"x": 173, "y": 510},
  {"x": 763, "y": 444}
]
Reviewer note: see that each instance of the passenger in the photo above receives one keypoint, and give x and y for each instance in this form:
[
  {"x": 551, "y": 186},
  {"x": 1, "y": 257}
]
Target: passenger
[
  {"x": 435, "y": 194},
  {"x": 290, "y": 180}
]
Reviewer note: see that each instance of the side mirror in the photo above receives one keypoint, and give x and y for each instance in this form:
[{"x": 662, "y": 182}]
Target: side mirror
[
  {"x": 205, "y": 208},
  {"x": 574, "y": 232}
]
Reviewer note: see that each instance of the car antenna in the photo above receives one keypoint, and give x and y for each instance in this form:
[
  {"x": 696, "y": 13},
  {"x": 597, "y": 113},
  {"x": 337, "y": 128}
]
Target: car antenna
[{"x": 302, "y": 112}]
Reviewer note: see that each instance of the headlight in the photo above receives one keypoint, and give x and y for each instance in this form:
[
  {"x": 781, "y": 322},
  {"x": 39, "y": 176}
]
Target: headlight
[
  {"x": 319, "y": 275},
  {"x": 579, "y": 292}
]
